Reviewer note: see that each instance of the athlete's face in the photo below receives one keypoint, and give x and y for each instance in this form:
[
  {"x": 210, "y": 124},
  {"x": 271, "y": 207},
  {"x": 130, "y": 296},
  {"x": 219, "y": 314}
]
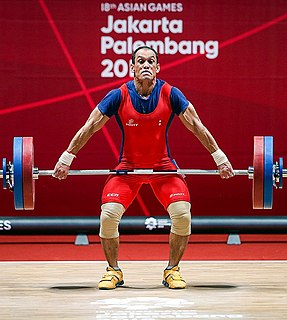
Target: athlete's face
[{"x": 145, "y": 66}]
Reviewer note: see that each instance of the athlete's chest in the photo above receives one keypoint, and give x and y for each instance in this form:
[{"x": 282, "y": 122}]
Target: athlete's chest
[{"x": 133, "y": 120}]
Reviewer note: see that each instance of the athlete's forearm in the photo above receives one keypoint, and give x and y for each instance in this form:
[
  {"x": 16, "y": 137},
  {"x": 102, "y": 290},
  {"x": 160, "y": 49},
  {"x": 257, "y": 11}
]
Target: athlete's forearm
[
  {"x": 94, "y": 123},
  {"x": 205, "y": 137},
  {"x": 79, "y": 140},
  {"x": 192, "y": 122}
]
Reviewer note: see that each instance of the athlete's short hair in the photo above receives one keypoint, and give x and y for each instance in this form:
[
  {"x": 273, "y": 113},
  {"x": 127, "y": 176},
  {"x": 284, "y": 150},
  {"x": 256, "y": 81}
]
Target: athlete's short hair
[{"x": 143, "y": 47}]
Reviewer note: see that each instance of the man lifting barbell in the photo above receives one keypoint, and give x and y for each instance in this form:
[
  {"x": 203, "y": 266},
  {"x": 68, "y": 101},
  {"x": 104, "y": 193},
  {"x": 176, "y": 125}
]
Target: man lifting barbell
[{"x": 144, "y": 109}]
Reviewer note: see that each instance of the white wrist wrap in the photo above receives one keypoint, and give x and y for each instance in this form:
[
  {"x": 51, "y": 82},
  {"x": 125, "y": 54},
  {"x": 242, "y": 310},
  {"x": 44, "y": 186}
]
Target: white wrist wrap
[
  {"x": 67, "y": 158},
  {"x": 219, "y": 157}
]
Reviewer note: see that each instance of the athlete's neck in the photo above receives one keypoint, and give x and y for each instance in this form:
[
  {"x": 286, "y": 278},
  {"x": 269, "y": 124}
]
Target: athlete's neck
[{"x": 144, "y": 87}]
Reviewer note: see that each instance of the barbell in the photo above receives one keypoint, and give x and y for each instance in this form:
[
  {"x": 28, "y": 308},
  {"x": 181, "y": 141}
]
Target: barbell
[{"x": 19, "y": 176}]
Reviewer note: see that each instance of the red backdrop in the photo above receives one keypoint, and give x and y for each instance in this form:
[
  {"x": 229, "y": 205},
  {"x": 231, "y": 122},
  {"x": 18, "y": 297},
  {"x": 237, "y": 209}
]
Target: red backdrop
[{"x": 59, "y": 58}]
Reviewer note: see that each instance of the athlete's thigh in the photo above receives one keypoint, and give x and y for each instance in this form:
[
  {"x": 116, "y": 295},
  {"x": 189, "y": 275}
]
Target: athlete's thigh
[
  {"x": 121, "y": 189},
  {"x": 170, "y": 188}
]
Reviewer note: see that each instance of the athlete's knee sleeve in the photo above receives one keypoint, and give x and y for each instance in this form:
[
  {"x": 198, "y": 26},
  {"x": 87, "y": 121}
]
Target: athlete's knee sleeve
[
  {"x": 180, "y": 215},
  {"x": 110, "y": 218}
]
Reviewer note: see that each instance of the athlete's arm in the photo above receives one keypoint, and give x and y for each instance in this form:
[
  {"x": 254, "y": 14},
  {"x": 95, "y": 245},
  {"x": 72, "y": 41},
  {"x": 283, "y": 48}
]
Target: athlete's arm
[
  {"x": 192, "y": 122},
  {"x": 94, "y": 123},
  {"x": 98, "y": 118}
]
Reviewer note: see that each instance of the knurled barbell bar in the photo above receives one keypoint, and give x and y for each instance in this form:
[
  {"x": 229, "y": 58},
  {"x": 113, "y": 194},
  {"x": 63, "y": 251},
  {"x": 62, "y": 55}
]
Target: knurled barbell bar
[{"x": 20, "y": 175}]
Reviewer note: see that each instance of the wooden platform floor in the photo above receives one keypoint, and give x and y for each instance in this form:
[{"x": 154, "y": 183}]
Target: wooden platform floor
[{"x": 216, "y": 290}]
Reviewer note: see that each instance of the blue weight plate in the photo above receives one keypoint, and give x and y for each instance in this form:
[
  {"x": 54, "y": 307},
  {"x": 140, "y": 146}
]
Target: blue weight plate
[
  {"x": 268, "y": 172},
  {"x": 18, "y": 175},
  {"x": 280, "y": 173},
  {"x": 4, "y": 173}
]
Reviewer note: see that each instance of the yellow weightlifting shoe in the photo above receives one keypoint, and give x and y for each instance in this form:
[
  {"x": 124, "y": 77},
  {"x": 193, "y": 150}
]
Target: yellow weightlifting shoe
[
  {"x": 111, "y": 279},
  {"x": 172, "y": 279}
]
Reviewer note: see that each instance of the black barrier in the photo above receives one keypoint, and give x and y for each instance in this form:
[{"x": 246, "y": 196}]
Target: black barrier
[{"x": 142, "y": 225}]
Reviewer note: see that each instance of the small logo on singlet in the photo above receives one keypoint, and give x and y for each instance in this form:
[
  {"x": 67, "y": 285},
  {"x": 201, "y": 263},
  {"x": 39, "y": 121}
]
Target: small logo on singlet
[
  {"x": 131, "y": 123},
  {"x": 176, "y": 194},
  {"x": 112, "y": 195}
]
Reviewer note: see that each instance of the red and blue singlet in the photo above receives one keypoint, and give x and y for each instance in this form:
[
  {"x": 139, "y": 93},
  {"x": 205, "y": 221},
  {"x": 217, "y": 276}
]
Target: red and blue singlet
[{"x": 144, "y": 124}]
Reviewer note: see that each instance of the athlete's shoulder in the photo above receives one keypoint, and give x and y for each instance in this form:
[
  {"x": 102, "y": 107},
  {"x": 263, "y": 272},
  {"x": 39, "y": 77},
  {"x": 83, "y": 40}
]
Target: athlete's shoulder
[
  {"x": 109, "y": 105},
  {"x": 113, "y": 95},
  {"x": 178, "y": 100},
  {"x": 176, "y": 91}
]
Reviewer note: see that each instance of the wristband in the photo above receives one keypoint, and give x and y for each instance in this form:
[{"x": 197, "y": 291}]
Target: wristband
[
  {"x": 67, "y": 158},
  {"x": 219, "y": 157}
]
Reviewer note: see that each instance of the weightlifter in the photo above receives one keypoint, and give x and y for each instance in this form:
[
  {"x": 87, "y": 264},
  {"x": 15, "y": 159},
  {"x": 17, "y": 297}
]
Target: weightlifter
[{"x": 144, "y": 108}]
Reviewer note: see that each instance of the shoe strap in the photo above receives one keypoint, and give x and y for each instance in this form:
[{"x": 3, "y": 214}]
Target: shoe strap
[
  {"x": 110, "y": 274},
  {"x": 175, "y": 274}
]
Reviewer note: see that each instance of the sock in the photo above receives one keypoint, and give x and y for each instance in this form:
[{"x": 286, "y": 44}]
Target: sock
[
  {"x": 169, "y": 267},
  {"x": 116, "y": 268}
]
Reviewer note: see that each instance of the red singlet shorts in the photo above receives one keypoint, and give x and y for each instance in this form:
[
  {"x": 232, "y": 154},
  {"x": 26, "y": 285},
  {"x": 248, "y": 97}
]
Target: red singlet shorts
[{"x": 167, "y": 188}]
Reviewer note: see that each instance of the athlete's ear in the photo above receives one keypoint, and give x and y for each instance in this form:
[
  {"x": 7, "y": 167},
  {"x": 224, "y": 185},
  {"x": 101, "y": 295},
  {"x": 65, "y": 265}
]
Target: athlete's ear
[
  {"x": 132, "y": 68},
  {"x": 157, "y": 68}
]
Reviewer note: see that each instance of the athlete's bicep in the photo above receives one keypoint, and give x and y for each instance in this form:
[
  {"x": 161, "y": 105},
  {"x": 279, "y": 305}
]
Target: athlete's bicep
[
  {"x": 96, "y": 120},
  {"x": 190, "y": 119}
]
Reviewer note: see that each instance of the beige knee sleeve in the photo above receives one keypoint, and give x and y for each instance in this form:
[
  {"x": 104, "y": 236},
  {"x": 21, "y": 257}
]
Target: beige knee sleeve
[
  {"x": 180, "y": 215},
  {"x": 110, "y": 218}
]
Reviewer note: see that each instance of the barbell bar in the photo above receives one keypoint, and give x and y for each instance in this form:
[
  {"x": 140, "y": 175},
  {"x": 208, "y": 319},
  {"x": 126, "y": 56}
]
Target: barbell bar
[{"x": 20, "y": 175}]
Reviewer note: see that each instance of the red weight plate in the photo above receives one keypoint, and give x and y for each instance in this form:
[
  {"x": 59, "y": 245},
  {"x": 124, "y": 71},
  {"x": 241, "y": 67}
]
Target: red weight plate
[
  {"x": 258, "y": 178},
  {"x": 28, "y": 166}
]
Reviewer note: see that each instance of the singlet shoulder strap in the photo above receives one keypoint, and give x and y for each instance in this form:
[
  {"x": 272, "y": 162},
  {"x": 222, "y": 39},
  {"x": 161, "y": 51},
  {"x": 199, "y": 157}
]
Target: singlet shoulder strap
[
  {"x": 165, "y": 93},
  {"x": 166, "y": 88},
  {"x": 125, "y": 95},
  {"x": 124, "y": 89}
]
